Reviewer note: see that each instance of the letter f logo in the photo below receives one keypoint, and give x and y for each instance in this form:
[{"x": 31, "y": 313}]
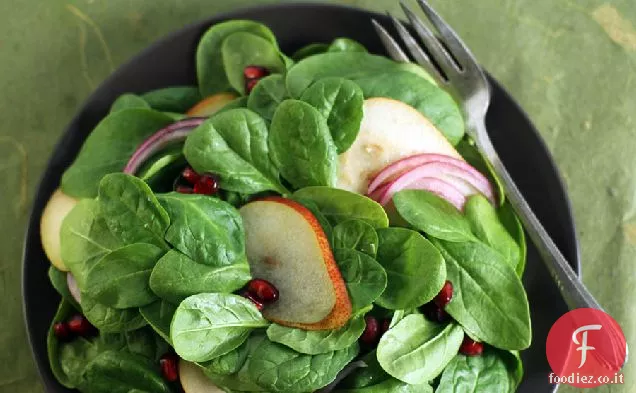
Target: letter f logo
[{"x": 583, "y": 344}]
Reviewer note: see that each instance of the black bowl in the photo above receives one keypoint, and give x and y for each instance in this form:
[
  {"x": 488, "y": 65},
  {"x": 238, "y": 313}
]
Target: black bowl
[{"x": 171, "y": 62}]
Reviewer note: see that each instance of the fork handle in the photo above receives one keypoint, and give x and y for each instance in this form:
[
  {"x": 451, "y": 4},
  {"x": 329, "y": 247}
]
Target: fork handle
[{"x": 572, "y": 289}]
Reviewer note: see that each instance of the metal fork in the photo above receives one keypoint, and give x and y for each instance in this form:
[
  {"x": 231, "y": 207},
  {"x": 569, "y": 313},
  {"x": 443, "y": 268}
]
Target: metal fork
[{"x": 456, "y": 69}]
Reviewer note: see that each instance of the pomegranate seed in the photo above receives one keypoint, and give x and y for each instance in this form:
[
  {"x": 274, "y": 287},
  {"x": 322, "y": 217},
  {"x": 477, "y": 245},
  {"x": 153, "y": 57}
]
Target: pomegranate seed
[
  {"x": 207, "y": 185},
  {"x": 445, "y": 295},
  {"x": 255, "y": 72},
  {"x": 471, "y": 347},
  {"x": 62, "y": 331},
  {"x": 79, "y": 325},
  {"x": 385, "y": 326},
  {"x": 190, "y": 175},
  {"x": 262, "y": 290},
  {"x": 251, "y": 297},
  {"x": 169, "y": 366},
  {"x": 184, "y": 189},
  {"x": 370, "y": 334},
  {"x": 250, "y": 84},
  {"x": 434, "y": 312}
]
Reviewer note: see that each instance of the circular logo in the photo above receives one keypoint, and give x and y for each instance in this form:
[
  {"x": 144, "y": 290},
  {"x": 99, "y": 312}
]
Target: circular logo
[{"x": 586, "y": 348}]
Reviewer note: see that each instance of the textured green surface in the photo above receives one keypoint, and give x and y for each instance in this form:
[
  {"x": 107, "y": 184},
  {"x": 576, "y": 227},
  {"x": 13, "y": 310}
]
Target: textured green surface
[{"x": 570, "y": 63}]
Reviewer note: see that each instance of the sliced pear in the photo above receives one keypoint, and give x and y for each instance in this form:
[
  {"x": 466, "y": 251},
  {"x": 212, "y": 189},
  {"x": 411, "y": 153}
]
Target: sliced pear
[
  {"x": 286, "y": 246},
  {"x": 210, "y": 105},
  {"x": 54, "y": 212},
  {"x": 193, "y": 380},
  {"x": 390, "y": 130}
]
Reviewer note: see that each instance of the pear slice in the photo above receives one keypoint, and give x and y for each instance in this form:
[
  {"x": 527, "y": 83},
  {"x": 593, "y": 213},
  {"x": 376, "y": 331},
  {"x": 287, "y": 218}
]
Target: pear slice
[
  {"x": 210, "y": 105},
  {"x": 390, "y": 130},
  {"x": 193, "y": 380},
  {"x": 286, "y": 246},
  {"x": 54, "y": 212}
]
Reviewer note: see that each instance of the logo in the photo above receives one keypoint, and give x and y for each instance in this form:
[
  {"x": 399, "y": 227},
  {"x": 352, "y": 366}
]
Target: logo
[{"x": 586, "y": 348}]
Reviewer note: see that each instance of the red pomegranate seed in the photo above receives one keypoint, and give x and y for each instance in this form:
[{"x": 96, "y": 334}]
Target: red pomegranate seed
[
  {"x": 250, "y": 84},
  {"x": 169, "y": 366},
  {"x": 262, "y": 290},
  {"x": 434, "y": 312},
  {"x": 445, "y": 295},
  {"x": 471, "y": 347},
  {"x": 259, "y": 305},
  {"x": 255, "y": 72},
  {"x": 385, "y": 326},
  {"x": 79, "y": 325},
  {"x": 184, "y": 189},
  {"x": 370, "y": 334},
  {"x": 207, "y": 185},
  {"x": 62, "y": 331},
  {"x": 190, "y": 175}
]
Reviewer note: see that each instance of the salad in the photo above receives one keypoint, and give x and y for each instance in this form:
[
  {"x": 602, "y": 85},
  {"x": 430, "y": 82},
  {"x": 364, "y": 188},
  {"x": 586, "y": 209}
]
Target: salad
[{"x": 309, "y": 223}]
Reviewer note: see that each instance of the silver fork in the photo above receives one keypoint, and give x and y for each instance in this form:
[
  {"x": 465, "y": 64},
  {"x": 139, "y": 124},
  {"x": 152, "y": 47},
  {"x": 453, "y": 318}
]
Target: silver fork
[{"x": 456, "y": 69}]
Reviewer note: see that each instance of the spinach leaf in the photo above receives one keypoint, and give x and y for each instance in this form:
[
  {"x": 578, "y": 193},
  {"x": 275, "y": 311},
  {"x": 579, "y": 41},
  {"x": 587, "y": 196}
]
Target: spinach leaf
[
  {"x": 128, "y": 101},
  {"x": 433, "y": 102},
  {"x": 230, "y": 362},
  {"x": 485, "y": 224},
  {"x": 510, "y": 221},
  {"x": 433, "y": 215},
  {"x": 241, "y": 380},
  {"x": 207, "y": 230},
  {"x": 467, "y": 148},
  {"x": 177, "y": 99},
  {"x": 368, "y": 376},
  {"x": 416, "y": 350},
  {"x": 277, "y": 368},
  {"x": 243, "y": 49},
  {"x": 476, "y": 374},
  {"x": 346, "y": 45},
  {"x": 67, "y": 376},
  {"x": 59, "y": 281},
  {"x": 356, "y": 235},
  {"x": 160, "y": 170},
  {"x": 301, "y": 145},
  {"x": 390, "y": 385},
  {"x": 238, "y": 103},
  {"x": 514, "y": 366},
  {"x": 131, "y": 210},
  {"x": 117, "y": 372},
  {"x": 415, "y": 269},
  {"x": 340, "y": 205},
  {"x": 110, "y": 319},
  {"x": 108, "y": 148},
  {"x": 340, "y": 102},
  {"x": 120, "y": 278},
  {"x": 175, "y": 277},
  {"x": 210, "y": 69},
  {"x": 84, "y": 239},
  {"x": 488, "y": 297},
  {"x": 233, "y": 145},
  {"x": 208, "y": 325},
  {"x": 310, "y": 50},
  {"x": 364, "y": 276},
  {"x": 268, "y": 93},
  {"x": 159, "y": 316},
  {"x": 314, "y": 342}
]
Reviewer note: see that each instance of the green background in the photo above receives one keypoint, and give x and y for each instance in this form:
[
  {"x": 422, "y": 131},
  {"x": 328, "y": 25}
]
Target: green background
[{"x": 570, "y": 63}]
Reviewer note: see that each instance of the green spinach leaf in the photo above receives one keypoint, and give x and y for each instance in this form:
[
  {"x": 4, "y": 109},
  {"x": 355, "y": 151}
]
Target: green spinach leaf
[
  {"x": 128, "y": 101},
  {"x": 120, "y": 278},
  {"x": 476, "y": 374},
  {"x": 209, "y": 59},
  {"x": 390, "y": 385},
  {"x": 511, "y": 222},
  {"x": 207, "y": 230},
  {"x": 488, "y": 297},
  {"x": 310, "y": 50},
  {"x": 175, "y": 277},
  {"x": 346, "y": 45},
  {"x": 301, "y": 145},
  {"x": 364, "y": 276},
  {"x": 159, "y": 316},
  {"x": 433, "y": 215},
  {"x": 233, "y": 145},
  {"x": 417, "y": 350},
  {"x": 109, "y": 319},
  {"x": 340, "y": 101},
  {"x": 209, "y": 325},
  {"x": 268, "y": 93},
  {"x": 108, "y": 148},
  {"x": 230, "y": 362},
  {"x": 340, "y": 205},
  {"x": 243, "y": 49},
  {"x": 415, "y": 269},
  {"x": 356, "y": 235},
  {"x": 178, "y": 99},
  {"x": 368, "y": 376},
  {"x": 65, "y": 375}
]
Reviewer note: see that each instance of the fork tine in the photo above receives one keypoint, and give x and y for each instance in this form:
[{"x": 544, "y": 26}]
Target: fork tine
[
  {"x": 442, "y": 58},
  {"x": 416, "y": 51},
  {"x": 459, "y": 50},
  {"x": 390, "y": 44}
]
